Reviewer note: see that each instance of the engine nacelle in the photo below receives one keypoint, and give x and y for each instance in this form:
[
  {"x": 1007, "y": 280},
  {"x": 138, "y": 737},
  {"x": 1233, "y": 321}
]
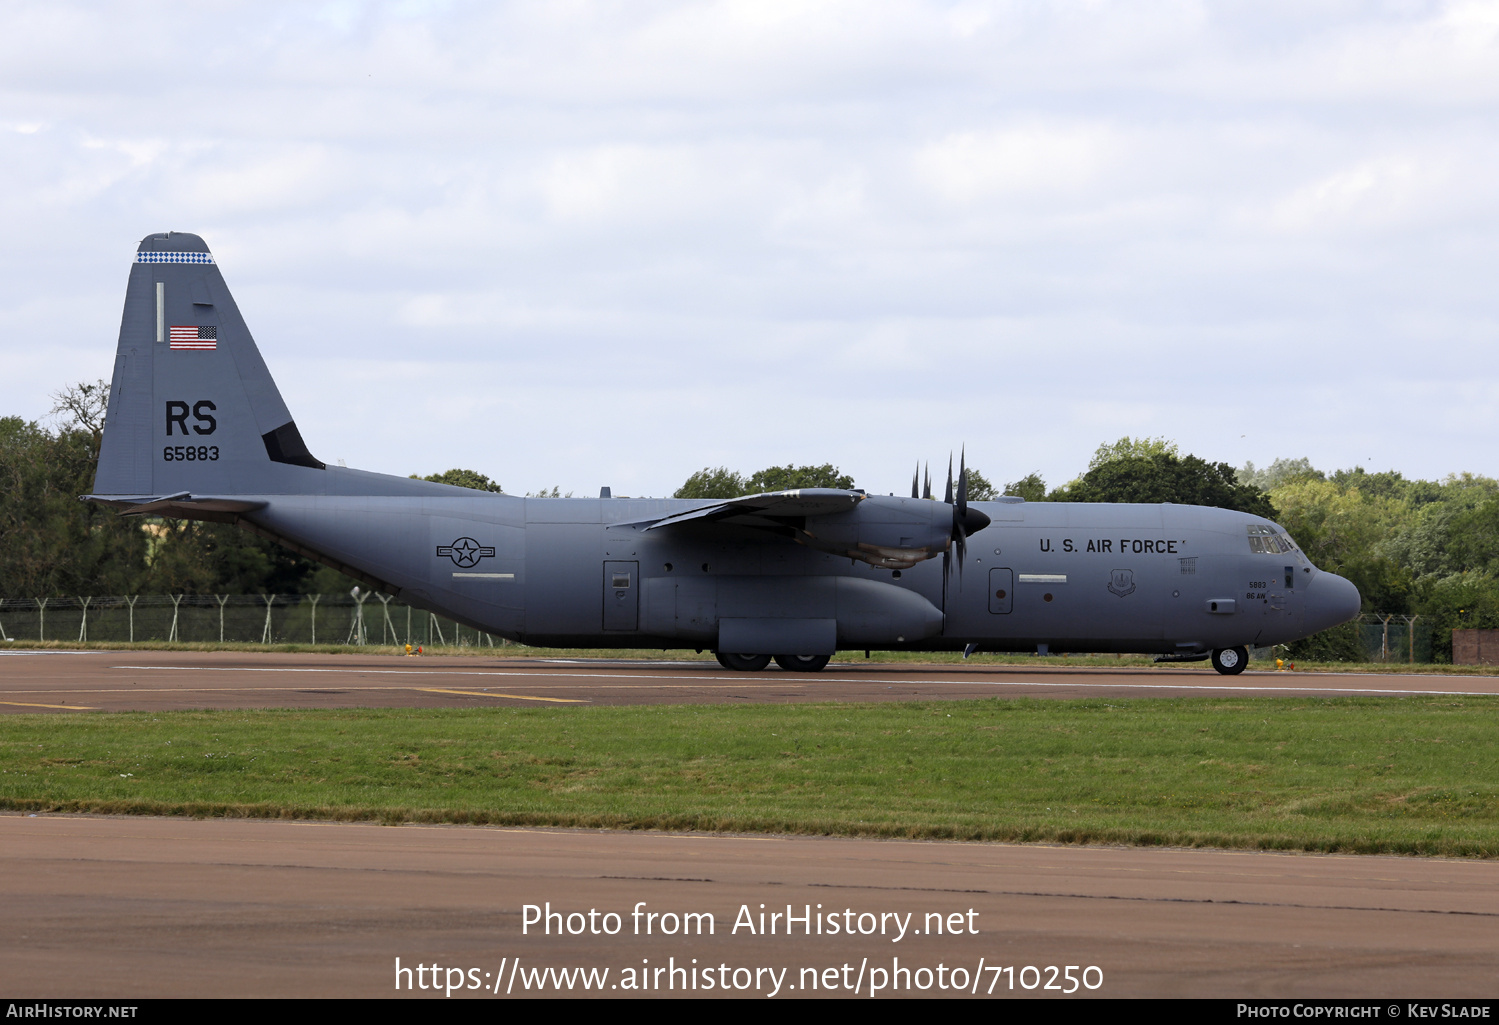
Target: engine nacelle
[{"x": 884, "y": 531}]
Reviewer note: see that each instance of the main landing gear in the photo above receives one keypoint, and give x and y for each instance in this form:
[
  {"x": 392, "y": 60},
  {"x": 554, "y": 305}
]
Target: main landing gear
[
  {"x": 802, "y": 663},
  {"x": 1230, "y": 661},
  {"x": 742, "y": 663},
  {"x": 755, "y": 663}
]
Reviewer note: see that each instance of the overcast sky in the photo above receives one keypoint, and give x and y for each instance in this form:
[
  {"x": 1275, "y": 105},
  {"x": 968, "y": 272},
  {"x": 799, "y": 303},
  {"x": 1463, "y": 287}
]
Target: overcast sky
[{"x": 611, "y": 243}]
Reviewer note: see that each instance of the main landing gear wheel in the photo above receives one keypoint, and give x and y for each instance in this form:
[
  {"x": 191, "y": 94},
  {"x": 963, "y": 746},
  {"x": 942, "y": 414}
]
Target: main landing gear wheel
[
  {"x": 802, "y": 663},
  {"x": 742, "y": 663},
  {"x": 1230, "y": 661}
]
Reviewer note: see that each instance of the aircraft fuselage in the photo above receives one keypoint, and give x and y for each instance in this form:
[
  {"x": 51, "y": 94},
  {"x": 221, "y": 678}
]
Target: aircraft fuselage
[{"x": 1164, "y": 579}]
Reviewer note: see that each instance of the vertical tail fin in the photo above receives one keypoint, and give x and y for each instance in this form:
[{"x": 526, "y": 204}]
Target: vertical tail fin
[{"x": 192, "y": 406}]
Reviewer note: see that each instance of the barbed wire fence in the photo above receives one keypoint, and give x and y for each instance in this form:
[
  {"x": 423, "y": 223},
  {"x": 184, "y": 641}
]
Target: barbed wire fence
[
  {"x": 1395, "y": 637},
  {"x": 233, "y": 619}
]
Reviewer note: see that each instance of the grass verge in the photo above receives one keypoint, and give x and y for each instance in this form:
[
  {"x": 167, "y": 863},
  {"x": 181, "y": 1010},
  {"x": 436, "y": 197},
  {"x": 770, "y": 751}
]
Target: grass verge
[{"x": 1410, "y": 775}]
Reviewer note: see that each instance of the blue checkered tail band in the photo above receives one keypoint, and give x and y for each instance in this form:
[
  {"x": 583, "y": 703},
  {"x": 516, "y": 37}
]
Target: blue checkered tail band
[{"x": 151, "y": 257}]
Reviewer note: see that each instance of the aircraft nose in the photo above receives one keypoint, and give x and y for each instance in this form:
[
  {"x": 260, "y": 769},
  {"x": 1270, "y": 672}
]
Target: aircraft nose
[{"x": 1330, "y": 600}]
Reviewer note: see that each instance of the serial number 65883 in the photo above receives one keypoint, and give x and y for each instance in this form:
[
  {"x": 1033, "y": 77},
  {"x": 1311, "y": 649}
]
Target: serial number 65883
[{"x": 190, "y": 453}]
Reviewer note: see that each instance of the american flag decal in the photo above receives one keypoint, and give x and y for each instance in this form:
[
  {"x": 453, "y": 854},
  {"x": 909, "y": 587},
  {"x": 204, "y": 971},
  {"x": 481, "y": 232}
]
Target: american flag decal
[{"x": 191, "y": 336}]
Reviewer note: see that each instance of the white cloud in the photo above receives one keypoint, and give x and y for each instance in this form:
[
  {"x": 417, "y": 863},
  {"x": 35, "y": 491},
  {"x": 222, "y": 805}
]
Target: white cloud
[
  {"x": 1038, "y": 159},
  {"x": 857, "y": 232}
]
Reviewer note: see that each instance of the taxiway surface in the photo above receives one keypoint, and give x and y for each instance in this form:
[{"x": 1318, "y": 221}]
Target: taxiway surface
[
  {"x": 122, "y": 907},
  {"x": 127, "y": 907},
  {"x": 62, "y": 681}
]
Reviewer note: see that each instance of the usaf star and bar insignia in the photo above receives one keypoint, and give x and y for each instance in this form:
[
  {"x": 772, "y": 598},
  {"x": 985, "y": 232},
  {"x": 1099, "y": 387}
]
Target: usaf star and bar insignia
[{"x": 465, "y": 552}]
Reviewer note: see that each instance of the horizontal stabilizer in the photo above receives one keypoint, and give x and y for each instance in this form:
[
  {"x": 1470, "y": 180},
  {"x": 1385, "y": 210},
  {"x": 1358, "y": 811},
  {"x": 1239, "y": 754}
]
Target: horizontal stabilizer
[{"x": 182, "y": 505}]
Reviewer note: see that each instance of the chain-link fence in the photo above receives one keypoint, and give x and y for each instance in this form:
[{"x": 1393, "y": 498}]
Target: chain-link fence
[{"x": 232, "y": 618}]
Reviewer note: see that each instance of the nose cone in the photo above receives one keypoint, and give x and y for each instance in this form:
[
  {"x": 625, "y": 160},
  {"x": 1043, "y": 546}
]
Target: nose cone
[{"x": 1330, "y": 600}]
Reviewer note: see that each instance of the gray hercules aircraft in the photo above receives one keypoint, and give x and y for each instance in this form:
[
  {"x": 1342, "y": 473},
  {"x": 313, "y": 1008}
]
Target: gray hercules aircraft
[{"x": 196, "y": 429}]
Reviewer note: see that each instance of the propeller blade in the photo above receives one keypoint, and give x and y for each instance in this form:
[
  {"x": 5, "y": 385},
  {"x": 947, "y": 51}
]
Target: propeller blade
[
  {"x": 927, "y": 488},
  {"x": 962, "y": 509},
  {"x": 914, "y": 477},
  {"x": 965, "y": 521}
]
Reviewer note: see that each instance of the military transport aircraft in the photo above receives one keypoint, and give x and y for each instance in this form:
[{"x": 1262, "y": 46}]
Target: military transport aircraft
[{"x": 196, "y": 429}]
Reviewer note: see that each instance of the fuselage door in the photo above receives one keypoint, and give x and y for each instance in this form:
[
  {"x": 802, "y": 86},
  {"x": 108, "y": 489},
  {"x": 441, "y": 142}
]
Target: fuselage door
[
  {"x": 621, "y": 596},
  {"x": 1001, "y": 590}
]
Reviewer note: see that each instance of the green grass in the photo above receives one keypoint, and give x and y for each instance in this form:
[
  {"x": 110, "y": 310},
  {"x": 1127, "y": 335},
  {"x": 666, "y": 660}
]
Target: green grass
[
  {"x": 892, "y": 657},
  {"x": 1414, "y": 775}
]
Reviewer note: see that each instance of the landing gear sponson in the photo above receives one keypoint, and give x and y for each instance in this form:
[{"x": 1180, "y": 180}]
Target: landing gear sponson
[
  {"x": 1228, "y": 661},
  {"x": 755, "y": 663}
]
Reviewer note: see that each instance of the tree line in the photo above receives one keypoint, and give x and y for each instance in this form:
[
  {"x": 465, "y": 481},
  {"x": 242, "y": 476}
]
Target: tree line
[{"x": 1413, "y": 547}]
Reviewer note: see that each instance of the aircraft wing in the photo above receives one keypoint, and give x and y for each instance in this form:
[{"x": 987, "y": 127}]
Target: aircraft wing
[{"x": 772, "y": 509}]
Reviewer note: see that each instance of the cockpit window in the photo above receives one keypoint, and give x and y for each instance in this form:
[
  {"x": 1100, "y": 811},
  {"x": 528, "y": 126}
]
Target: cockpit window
[{"x": 1268, "y": 539}]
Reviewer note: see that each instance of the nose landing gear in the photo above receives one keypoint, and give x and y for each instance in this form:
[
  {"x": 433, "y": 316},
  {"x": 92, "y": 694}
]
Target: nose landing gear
[{"x": 1230, "y": 661}]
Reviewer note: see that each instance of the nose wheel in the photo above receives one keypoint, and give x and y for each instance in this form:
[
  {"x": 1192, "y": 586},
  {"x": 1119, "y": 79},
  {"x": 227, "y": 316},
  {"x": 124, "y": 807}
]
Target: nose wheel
[{"x": 1230, "y": 661}]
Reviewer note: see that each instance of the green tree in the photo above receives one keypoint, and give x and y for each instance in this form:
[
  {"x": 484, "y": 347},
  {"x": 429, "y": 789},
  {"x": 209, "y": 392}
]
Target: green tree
[
  {"x": 463, "y": 479},
  {"x": 1389, "y": 484},
  {"x": 1165, "y": 477},
  {"x": 81, "y": 407},
  {"x": 51, "y": 543},
  {"x": 1279, "y": 472},
  {"x": 1461, "y": 601},
  {"x": 1131, "y": 448},
  {"x": 1473, "y": 538},
  {"x": 1030, "y": 487},
  {"x": 193, "y": 557},
  {"x": 712, "y": 483},
  {"x": 1422, "y": 542},
  {"x": 979, "y": 488},
  {"x": 789, "y": 478},
  {"x": 1340, "y": 530}
]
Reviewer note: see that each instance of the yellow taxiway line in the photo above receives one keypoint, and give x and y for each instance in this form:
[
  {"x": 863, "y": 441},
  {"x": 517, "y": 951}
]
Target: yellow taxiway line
[{"x": 513, "y": 697}]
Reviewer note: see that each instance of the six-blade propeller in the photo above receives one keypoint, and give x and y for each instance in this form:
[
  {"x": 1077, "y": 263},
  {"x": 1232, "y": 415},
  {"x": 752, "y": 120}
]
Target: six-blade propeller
[{"x": 965, "y": 521}]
